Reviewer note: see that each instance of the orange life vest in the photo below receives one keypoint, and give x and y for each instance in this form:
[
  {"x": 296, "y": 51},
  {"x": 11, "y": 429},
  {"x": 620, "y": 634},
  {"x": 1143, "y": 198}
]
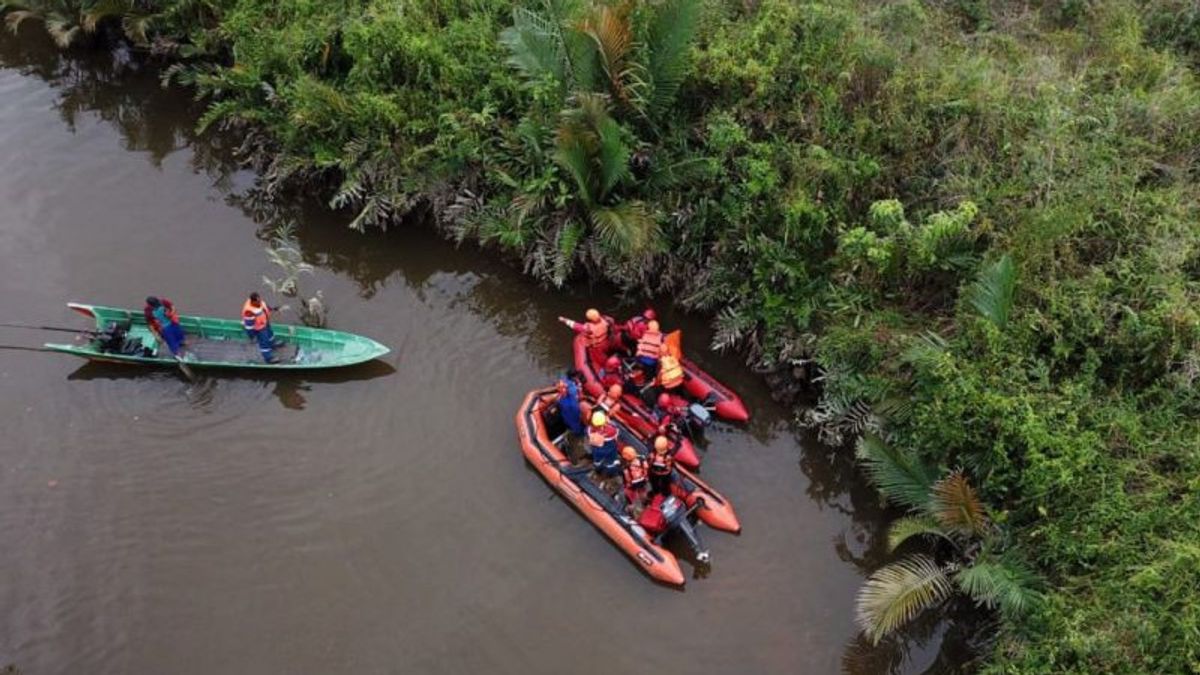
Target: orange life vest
[
  {"x": 661, "y": 463},
  {"x": 608, "y": 403},
  {"x": 650, "y": 344},
  {"x": 670, "y": 374},
  {"x": 635, "y": 473},
  {"x": 255, "y": 318}
]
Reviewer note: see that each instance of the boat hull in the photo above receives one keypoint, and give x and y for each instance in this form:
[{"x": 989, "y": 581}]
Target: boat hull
[
  {"x": 222, "y": 344},
  {"x": 541, "y": 452}
]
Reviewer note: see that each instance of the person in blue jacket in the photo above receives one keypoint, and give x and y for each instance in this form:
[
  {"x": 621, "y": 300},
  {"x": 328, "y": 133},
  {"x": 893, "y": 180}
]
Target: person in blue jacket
[{"x": 568, "y": 405}]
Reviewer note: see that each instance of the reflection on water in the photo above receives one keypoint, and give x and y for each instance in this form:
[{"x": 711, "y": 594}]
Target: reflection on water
[
  {"x": 289, "y": 388},
  {"x": 353, "y": 494}
]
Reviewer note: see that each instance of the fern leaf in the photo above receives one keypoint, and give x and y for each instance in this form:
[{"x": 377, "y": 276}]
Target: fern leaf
[
  {"x": 993, "y": 291},
  {"x": 901, "y": 478},
  {"x": 896, "y": 593}
]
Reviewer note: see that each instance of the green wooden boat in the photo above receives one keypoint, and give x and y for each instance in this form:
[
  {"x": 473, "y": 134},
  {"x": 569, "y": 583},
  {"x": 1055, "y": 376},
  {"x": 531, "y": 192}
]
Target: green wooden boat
[{"x": 122, "y": 336}]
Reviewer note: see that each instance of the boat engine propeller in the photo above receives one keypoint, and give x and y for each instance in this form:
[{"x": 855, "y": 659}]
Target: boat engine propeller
[{"x": 676, "y": 513}]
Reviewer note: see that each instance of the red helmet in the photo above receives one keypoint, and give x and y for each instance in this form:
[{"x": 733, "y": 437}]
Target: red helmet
[
  {"x": 649, "y": 314},
  {"x": 664, "y": 400},
  {"x": 612, "y": 363}
]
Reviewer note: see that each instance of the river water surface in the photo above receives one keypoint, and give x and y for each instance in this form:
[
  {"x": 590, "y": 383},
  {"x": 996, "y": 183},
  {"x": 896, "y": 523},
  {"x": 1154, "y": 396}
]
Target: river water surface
[{"x": 376, "y": 520}]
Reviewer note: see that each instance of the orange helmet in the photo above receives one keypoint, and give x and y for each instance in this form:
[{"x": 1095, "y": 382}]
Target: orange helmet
[
  {"x": 628, "y": 453},
  {"x": 593, "y": 315},
  {"x": 652, "y": 326},
  {"x": 661, "y": 443},
  {"x": 615, "y": 391},
  {"x": 599, "y": 419}
]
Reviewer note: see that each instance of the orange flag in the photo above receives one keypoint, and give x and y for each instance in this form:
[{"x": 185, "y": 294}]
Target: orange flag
[{"x": 673, "y": 344}]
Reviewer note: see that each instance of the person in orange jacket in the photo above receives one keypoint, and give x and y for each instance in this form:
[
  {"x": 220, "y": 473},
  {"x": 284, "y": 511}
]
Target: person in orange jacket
[
  {"x": 633, "y": 329},
  {"x": 597, "y": 331},
  {"x": 649, "y": 350},
  {"x": 662, "y": 465},
  {"x": 256, "y": 320},
  {"x": 636, "y": 478}
]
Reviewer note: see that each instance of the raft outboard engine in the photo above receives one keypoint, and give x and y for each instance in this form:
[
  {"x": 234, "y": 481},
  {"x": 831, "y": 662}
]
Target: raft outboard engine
[
  {"x": 112, "y": 338},
  {"x": 675, "y": 512},
  {"x": 699, "y": 415}
]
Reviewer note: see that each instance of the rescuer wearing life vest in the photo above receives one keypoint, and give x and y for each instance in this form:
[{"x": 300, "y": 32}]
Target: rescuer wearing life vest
[
  {"x": 163, "y": 321},
  {"x": 602, "y": 441},
  {"x": 670, "y": 373},
  {"x": 649, "y": 350},
  {"x": 636, "y": 475},
  {"x": 256, "y": 319},
  {"x": 668, "y": 414},
  {"x": 611, "y": 373},
  {"x": 596, "y": 331},
  {"x": 662, "y": 464},
  {"x": 610, "y": 402},
  {"x": 635, "y": 327}
]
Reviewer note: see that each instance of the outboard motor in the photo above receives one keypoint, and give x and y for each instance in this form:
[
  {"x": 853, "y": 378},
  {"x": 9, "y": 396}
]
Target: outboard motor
[
  {"x": 699, "y": 416},
  {"x": 675, "y": 512},
  {"x": 112, "y": 338}
]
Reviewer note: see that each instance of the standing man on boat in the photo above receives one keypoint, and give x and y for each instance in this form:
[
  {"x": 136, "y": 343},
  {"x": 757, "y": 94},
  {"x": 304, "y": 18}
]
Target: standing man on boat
[
  {"x": 568, "y": 405},
  {"x": 602, "y": 442},
  {"x": 163, "y": 320},
  {"x": 256, "y": 319},
  {"x": 596, "y": 331}
]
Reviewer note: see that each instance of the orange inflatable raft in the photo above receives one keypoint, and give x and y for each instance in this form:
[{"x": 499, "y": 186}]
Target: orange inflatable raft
[{"x": 542, "y": 437}]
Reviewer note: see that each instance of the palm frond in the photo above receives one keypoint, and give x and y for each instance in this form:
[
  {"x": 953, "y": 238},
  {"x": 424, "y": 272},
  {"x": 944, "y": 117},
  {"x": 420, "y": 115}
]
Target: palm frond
[
  {"x": 896, "y": 593},
  {"x": 913, "y": 526},
  {"x": 671, "y": 34},
  {"x": 993, "y": 291},
  {"x": 926, "y": 348},
  {"x": 733, "y": 324},
  {"x": 611, "y": 29},
  {"x": 568, "y": 238},
  {"x": 626, "y": 229},
  {"x": 575, "y": 146},
  {"x": 899, "y": 477},
  {"x": 535, "y": 46},
  {"x": 956, "y": 506},
  {"x": 64, "y": 32},
  {"x": 997, "y": 583},
  {"x": 591, "y": 147},
  {"x": 669, "y": 176},
  {"x": 15, "y": 18}
]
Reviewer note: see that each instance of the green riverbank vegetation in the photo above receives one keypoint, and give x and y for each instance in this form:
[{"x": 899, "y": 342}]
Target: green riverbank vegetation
[{"x": 978, "y": 219}]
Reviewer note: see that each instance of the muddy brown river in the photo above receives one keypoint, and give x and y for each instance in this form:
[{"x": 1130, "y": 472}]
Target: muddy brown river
[{"x": 379, "y": 519}]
